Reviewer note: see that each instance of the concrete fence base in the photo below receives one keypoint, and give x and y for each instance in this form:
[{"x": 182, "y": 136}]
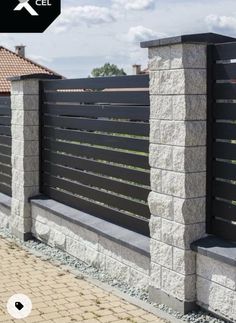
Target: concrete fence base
[{"x": 100, "y": 244}]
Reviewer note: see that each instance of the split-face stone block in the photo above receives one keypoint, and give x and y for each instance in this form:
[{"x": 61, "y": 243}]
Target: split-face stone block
[
  {"x": 155, "y": 227},
  {"x": 216, "y": 271},
  {"x": 27, "y": 179},
  {"x": 22, "y": 132},
  {"x": 178, "y": 81},
  {"x": 218, "y": 298},
  {"x": 155, "y": 275},
  {"x": 177, "y": 56},
  {"x": 189, "y": 211},
  {"x": 185, "y": 185},
  {"x": 161, "y": 205},
  {"x": 177, "y": 285},
  {"x": 161, "y": 107},
  {"x": 177, "y": 158},
  {"x": 178, "y": 133},
  {"x": 189, "y": 159},
  {"x": 189, "y": 107},
  {"x": 160, "y": 156},
  {"x": 188, "y": 56},
  {"x": 28, "y": 163},
  {"x": 179, "y": 235},
  {"x": 162, "y": 253},
  {"x": 25, "y": 148},
  {"x": 184, "y": 261},
  {"x": 26, "y": 118},
  {"x": 178, "y": 107},
  {"x": 25, "y": 102},
  {"x": 26, "y": 87}
]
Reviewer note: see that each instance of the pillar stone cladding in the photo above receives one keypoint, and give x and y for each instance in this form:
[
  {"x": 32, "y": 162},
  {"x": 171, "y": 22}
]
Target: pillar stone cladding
[
  {"x": 25, "y": 150},
  {"x": 178, "y": 85}
]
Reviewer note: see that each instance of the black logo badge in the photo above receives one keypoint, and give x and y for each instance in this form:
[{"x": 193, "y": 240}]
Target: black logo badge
[{"x": 28, "y": 16}]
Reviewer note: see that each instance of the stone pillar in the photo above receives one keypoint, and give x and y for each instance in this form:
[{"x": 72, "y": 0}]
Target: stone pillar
[
  {"x": 25, "y": 150},
  {"x": 178, "y": 88}
]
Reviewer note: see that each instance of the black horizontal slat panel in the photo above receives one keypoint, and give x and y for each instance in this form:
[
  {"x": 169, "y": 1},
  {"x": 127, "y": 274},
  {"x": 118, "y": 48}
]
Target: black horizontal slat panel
[
  {"x": 82, "y": 130},
  {"x": 115, "y": 201},
  {"x": 221, "y": 169},
  {"x": 133, "y": 128},
  {"x": 109, "y": 184},
  {"x": 224, "y": 111},
  {"x": 223, "y": 150},
  {"x": 98, "y": 153},
  {"x": 5, "y": 179},
  {"x": 224, "y": 91},
  {"x": 225, "y": 230},
  {"x": 5, "y": 150},
  {"x": 5, "y": 101},
  {"x": 224, "y": 130},
  {"x": 4, "y": 130},
  {"x": 6, "y": 121},
  {"x": 134, "y": 97},
  {"x": 4, "y": 140},
  {"x": 130, "y": 222},
  {"x": 5, "y": 169},
  {"x": 5, "y": 189},
  {"x": 224, "y": 170},
  {"x": 224, "y": 210},
  {"x": 139, "y": 81},
  {"x": 140, "y": 113},
  {"x": 224, "y": 51},
  {"x": 224, "y": 71},
  {"x": 4, "y": 111},
  {"x": 141, "y": 145},
  {"x": 5, "y": 145},
  {"x": 132, "y": 175},
  {"x": 5, "y": 159},
  {"x": 224, "y": 190}
]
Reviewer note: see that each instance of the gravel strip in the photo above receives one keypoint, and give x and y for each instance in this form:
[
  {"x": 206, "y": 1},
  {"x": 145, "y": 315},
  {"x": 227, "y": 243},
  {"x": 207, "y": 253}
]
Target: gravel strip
[{"x": 80, "y": 269}]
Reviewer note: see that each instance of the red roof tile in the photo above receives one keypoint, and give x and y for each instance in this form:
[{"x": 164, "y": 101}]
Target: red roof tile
[{"x": 11, "y": 64}]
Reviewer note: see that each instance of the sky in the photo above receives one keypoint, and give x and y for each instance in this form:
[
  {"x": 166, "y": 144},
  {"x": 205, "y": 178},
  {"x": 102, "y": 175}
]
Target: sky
[{"x": 90, "y": 33}]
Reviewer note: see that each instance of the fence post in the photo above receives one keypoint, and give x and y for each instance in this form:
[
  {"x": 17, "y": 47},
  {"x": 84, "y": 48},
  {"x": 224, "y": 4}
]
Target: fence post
[
  {"x": 25, "y": 150},
  {"x": 178, "y": 88}
]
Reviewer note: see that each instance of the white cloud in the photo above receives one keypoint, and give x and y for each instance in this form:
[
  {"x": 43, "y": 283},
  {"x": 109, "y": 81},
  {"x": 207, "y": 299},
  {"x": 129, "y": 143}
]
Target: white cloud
[
  {"x": 134, "y": 4},
  {"x": 141, "y": 33},
  {"x": 6, "y": 40},
  {"x": 88, "y": 15},
  {"x": 221, "y": 23},
  {"x": 40, "y": 59}
]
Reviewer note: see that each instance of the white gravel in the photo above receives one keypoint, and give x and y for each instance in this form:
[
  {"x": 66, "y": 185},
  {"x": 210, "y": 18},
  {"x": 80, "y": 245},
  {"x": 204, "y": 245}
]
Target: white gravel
[{"x": 63, "y": 259}]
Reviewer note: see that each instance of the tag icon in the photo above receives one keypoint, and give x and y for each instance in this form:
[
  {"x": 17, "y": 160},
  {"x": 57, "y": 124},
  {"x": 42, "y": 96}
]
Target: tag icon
[
  {"x": 25, "y": 4},
  {"x": 19, "y": 306}
]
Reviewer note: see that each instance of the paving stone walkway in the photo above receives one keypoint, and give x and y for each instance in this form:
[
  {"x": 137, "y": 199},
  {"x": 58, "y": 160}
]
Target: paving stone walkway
[{"x": 58, "y": 296}]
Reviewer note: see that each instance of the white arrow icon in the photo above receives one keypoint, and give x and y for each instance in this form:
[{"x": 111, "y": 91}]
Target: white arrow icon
[{"x": 24, "y": 4}]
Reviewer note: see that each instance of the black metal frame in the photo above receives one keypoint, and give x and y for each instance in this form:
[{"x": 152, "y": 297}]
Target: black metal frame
[
  {"x": 221, "y": 117},
  {"x": 209, "y": 140},
  {"x": 5, "y": 146},
  {"x": 61, "y": 162}
]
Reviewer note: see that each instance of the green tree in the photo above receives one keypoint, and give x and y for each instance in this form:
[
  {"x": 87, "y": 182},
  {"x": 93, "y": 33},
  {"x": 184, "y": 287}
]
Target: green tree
[{"x": 107, "y": 70}]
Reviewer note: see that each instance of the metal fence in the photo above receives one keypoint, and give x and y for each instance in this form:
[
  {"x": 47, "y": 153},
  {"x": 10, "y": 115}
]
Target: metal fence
[
  {"x": 5, "y": 145},
  {"x": 221, "y": 172},
  {"x": 95, "y": 145}
]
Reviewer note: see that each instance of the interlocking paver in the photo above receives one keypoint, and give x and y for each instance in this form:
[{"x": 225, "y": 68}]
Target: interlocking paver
[{"x": 57, "y": 295}]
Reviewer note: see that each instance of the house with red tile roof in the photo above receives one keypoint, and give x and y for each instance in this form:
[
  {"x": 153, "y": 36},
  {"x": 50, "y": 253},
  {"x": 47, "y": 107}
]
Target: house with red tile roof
[{"x": 15, "y": 63}]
